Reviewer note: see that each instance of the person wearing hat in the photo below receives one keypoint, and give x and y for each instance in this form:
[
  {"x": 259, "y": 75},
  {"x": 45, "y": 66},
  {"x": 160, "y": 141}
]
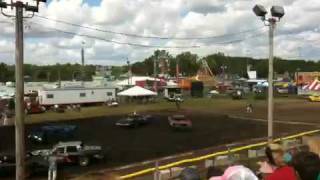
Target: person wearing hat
[
  {"x": 307, "y": 165},
  {"x": 237, "y": 172},
  {"x": 275, "y": 168}
]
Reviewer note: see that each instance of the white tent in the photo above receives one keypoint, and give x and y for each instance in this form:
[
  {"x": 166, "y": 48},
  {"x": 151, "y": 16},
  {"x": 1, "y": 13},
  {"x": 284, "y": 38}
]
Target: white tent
[{"x": 137, "y": 91}]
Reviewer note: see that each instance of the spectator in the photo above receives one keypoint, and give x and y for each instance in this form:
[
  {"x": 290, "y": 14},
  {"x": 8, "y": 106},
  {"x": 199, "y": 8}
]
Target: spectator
[
  {"x": 307, "y": 165},
  {"x": 189, "y": 174},
  {"x": 213, "y": 171},
  {"x": 276, "y": 168},
  {"x": 236, "y": 173},
  {"x": 314, "y": 145}
]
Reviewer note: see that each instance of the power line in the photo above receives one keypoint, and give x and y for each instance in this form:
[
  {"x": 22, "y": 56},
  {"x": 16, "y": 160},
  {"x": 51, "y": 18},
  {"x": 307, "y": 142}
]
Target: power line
[
  {"x": 147, "y": 46},
  {"x": 113, "y": 41},
  {"x": 149, "y": 37}
]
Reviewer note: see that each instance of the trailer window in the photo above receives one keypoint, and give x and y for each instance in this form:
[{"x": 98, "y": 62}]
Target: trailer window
[
  {"x": 82, "y": 94},
  {"x": 109, "y": 93},
  {"x": 50, "y": 96}
]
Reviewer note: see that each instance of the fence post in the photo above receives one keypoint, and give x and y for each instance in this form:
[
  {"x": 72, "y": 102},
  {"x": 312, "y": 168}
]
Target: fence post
[{"x": 156, "y": 171}]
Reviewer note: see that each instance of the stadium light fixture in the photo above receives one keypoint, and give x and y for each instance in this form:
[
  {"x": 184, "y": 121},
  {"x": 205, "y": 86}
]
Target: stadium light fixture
[
  {"x": 32, "y": 8},
  {"x": 259, "y": 10},
  {"x": 277, "y": 11},
  {"x": 3, "y": 4}
]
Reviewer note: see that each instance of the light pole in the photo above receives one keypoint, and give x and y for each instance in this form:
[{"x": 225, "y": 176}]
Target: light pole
[
  {"x": 129, "y": 73},
  {"x": 82, "y": 64},
  {"x": 277, "y": 12},
  {"x": 19, "y": 94},
  {"x": 224, "y": 67}
]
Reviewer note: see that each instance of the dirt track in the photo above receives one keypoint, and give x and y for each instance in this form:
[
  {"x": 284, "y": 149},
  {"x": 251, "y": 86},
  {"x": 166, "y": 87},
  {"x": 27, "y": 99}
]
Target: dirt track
[{"x": 156, "y": 139}]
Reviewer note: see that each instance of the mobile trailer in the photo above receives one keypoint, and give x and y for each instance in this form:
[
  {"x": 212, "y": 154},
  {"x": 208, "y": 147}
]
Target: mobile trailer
[{"x": 66, "y": 96}]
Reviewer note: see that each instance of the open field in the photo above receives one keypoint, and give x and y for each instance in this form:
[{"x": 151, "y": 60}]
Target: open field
[
  {"x": 286, "y": 109},
  {"x": 211, "y": 127}
]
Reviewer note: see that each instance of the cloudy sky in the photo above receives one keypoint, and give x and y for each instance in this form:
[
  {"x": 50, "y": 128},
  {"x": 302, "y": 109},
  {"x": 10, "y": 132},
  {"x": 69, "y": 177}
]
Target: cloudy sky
[{"x": 298, "y": 33}]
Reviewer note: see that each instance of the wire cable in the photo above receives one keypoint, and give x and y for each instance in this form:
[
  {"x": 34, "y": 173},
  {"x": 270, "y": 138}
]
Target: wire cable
[
  {"x": 149, "y": 37},
  {"x": 114, "y": 41}
]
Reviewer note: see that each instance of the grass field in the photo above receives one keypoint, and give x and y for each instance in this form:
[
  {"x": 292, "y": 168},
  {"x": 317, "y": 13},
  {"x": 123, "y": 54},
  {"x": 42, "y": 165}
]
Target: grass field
[{"x": 286, "y": 109}]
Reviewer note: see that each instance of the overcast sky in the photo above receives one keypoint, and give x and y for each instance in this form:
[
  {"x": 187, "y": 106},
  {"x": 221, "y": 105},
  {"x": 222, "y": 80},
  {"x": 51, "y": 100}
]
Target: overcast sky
[{"x": 298, "y": 33}]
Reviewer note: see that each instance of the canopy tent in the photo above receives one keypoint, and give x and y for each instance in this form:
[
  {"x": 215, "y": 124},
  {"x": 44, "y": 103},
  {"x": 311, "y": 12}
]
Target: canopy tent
[
  {"x": 314, "y": 86},
  {"x": 137, "y": 91}
]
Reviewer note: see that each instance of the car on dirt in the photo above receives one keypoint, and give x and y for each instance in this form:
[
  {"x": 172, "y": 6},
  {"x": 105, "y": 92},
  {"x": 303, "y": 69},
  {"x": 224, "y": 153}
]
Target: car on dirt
[
  {"x": 73, "y": 152},
  {"x": 33, "y": 164},
  {"x": 134, "y": 120},
  {"x": 45, "y": 134},
  {"x": 180, "y": 122}
]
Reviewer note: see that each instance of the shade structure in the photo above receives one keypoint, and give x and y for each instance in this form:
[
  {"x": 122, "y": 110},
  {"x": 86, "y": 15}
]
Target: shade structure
[
  {"x": 137, "y": 91},
  {"x": 314, "y": 86}
]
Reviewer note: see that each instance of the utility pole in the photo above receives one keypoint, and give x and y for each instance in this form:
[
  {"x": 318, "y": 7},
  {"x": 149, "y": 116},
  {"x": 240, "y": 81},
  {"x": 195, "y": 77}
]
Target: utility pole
[
  {"x": 82, "y": 64},
  {"x": 19, "y": 107},
  {"x": 19, "y": 90},
  {"x": 270, "y": 80},
  {"x": 177, "y": 69},
  {"x": 155, "y": 73},
  {"x": 129, "y": 73}
]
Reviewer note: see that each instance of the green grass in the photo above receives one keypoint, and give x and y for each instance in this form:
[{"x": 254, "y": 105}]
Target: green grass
[{"x": 216, "y": 105}]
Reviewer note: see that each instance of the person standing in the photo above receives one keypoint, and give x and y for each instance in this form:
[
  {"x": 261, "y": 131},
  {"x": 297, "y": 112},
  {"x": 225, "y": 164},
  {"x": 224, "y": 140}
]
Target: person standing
[{"x": 53, "y": 166}]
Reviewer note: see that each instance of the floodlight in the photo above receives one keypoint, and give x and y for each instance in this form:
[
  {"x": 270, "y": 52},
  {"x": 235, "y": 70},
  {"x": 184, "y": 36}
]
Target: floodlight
[
  {"x": 277, "y": 11},
  {"x": 259, "y": 10},
  {"x": 32, "y": 8},
  {"x": 3, "y": 4}
]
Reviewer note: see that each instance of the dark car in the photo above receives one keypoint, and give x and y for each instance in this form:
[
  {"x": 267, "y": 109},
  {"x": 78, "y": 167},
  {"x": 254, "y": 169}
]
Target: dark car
[
  {"x": 72, "y": 152},
  {"x": 179, "y": 122},
  {"x": 7, "y": 164},
  {"x": 33, "y": 164},
  {"x": 48, "y": 133},
  {"x": 134, "y": 120}
]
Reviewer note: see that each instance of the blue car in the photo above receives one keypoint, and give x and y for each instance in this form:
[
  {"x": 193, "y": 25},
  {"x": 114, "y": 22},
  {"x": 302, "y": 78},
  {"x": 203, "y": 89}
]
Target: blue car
[{"x": 51, "y": 132}]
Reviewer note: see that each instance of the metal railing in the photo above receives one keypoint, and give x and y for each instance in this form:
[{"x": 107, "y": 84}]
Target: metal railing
[{"x": 149, "y": 171}]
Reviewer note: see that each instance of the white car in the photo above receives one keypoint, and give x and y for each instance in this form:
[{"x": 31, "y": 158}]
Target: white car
[{"x": 113, "y": 104}]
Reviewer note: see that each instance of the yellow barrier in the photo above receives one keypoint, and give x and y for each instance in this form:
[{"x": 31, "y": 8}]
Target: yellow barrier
[{"x": 174, "y": 164}]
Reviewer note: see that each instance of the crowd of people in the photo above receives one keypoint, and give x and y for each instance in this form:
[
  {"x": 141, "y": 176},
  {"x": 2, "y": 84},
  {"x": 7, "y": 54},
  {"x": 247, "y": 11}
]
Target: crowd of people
[{"x": 279, "y": 165}]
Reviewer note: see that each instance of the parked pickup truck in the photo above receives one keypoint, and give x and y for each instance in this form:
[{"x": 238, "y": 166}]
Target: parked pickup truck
[
  {"x": 73, "y": 152},
  {"x": 45, "y": 134}
]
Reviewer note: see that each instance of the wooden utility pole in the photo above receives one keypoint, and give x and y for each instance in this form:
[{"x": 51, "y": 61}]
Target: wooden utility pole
[{"x": 19, "y": 90}]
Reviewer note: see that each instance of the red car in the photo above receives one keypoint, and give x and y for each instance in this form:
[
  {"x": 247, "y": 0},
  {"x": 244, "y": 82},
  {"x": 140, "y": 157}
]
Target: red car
[{"x": 179, "y": 122}]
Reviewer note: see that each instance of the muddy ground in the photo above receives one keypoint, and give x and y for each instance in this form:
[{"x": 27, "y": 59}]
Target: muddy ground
[{"x": 156, "y": 139}]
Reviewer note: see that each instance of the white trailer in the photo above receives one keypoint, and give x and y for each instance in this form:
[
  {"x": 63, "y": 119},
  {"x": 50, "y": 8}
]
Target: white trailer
[{"x": 65, "y": 96}]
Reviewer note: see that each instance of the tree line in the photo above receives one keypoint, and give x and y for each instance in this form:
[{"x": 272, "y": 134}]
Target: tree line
[{"x": 189, "y": 64}]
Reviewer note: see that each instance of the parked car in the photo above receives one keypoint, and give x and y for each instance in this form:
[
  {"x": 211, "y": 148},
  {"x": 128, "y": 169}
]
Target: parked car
[
  {"x": 134, "y": 120},
  {"x": 73, "y": 152},
  {"x": 113, "y": 104},
  {"x": 180, "y": 122},
  {"x": 237, "y": 94},
  {"x": 175, "y": 99},
  {"x": 45, "y": 134},
  {"x": 314, "y": 98}
]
